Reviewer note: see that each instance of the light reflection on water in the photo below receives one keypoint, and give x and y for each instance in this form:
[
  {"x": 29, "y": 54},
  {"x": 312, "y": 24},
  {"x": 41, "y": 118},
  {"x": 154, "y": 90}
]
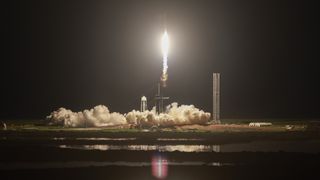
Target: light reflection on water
[
  {"x": 180, "y": 139},
  {"x": 159, "y": 166},
  {"x": 160, "y": 148},
  {"x": 95, "y": 139},
  {"x": 261, "y": 146},
  {"x": 73, "y": 164},
  {"x": 126, "y": 139},
  {"x": 58, "y": 138},
  {"x": 107, "y": 139}
]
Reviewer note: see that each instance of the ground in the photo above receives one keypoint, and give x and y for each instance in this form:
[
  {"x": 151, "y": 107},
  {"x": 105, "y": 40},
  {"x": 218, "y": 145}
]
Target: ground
[{"x": 227, "y": 125}]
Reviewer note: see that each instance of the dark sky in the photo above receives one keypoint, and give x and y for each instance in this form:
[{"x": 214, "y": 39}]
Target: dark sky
[{"x": 78, "y": 54}]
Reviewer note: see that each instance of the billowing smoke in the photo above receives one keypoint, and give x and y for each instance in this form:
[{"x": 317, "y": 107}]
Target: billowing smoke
[
  {"x": 100, "y": 116},
  {"x": 96, "y": 117},
  {"x": 175, "y": 115}
]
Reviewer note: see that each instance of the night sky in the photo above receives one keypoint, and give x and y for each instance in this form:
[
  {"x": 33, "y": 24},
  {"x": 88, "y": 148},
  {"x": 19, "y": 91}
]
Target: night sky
[{"x": 78, "y": 54}]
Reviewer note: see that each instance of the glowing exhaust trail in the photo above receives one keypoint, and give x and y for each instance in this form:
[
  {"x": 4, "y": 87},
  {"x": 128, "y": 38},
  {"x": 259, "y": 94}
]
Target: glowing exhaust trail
[{"x": 165, "y": 50}]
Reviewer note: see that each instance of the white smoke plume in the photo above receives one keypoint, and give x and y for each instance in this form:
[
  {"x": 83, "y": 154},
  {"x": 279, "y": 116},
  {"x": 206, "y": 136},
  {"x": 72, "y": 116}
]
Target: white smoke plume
[
  {"x": 175, "y": 115},
  {"x": 96, "y": 117},
  {"x": 100, "y": 116}
]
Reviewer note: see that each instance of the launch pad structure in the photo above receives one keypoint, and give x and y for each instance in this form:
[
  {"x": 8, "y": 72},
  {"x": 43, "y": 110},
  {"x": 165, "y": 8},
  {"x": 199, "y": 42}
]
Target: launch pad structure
[{"x": 159, "y": 100}]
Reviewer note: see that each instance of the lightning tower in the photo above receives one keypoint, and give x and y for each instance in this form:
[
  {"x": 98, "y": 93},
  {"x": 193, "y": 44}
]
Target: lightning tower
[{"x": 216, "y": 97}]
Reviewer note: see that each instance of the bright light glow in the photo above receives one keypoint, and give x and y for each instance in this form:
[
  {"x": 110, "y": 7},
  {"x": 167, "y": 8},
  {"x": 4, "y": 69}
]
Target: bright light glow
[
  {"x": 165, "y": 51},
  {"x": 165, "y": 45}
]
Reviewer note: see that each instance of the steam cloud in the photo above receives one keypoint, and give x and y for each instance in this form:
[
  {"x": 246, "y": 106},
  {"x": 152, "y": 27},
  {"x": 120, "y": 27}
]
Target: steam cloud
[
  {"x": 96, "y": 117},
  {"x": 100, "y": 116},
  {"x": 176, "y": 115}
]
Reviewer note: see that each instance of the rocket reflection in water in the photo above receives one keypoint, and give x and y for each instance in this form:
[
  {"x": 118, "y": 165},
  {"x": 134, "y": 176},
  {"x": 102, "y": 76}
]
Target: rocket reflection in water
[{"x": 159, "y": 166}]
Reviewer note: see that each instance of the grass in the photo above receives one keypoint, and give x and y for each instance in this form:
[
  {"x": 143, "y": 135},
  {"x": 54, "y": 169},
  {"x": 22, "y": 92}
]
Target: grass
[{"x": 226, "y": 126}]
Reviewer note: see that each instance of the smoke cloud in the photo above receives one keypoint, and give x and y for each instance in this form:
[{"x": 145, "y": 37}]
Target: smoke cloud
[
  {"x": 96, "y": 117},
  {"x": 100, "y": 116},
  {"x": 175, "y": 115}
]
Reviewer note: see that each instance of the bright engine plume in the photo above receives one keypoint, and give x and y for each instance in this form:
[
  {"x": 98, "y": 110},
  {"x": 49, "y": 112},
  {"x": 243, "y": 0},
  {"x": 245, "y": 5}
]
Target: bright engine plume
[{"x": 165, "y": 50}]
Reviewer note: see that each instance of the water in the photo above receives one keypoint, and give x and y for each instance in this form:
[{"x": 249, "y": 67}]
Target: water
[
  {"x": 160, "y": 148},
  {"x": 76, "y": 164},
  {"x": 256, "y": 146},
  {"x": 160, "y": 158}
]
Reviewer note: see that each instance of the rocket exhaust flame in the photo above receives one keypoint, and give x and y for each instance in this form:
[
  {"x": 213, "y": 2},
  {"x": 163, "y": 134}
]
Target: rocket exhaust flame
[{"x": 165, "y": 50}]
